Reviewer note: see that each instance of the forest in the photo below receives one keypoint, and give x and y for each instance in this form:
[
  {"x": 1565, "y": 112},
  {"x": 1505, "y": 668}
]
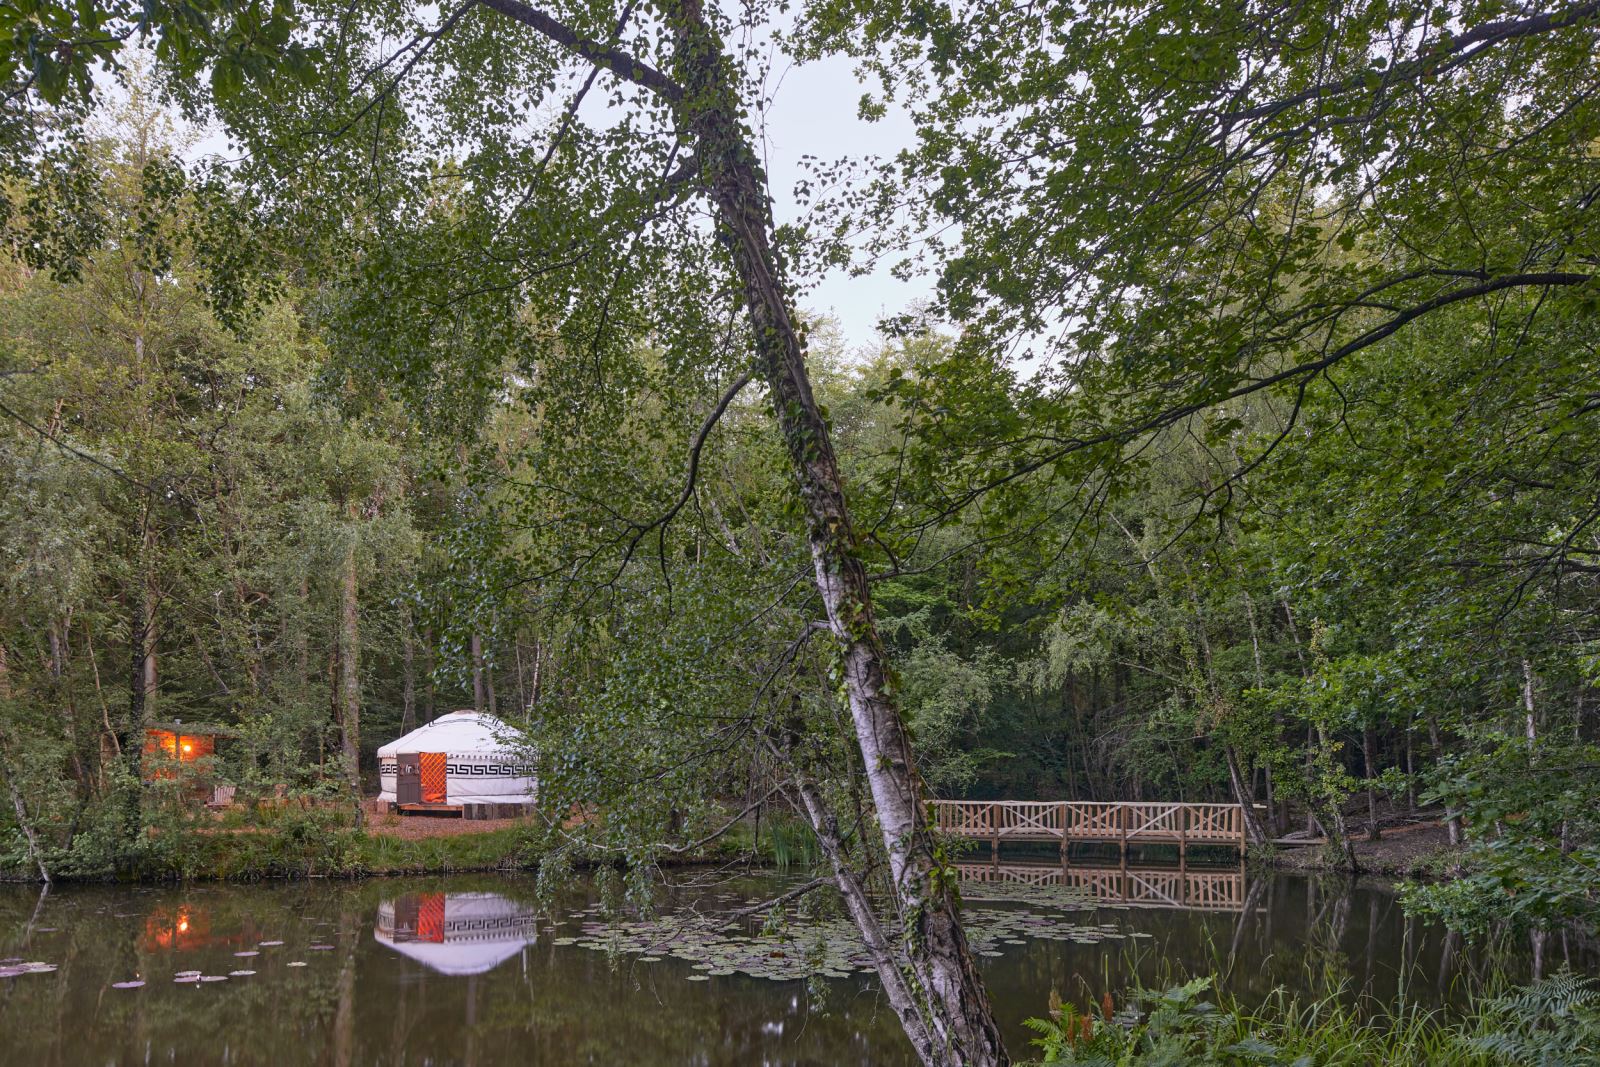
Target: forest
[{"x": 360, "y": 363}]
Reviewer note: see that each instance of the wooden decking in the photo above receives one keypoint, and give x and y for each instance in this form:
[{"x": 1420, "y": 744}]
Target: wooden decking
[
  {"x": 465, "y": 811},
  {"x": 1200, "y": 890},
  {"x": 1122, "y": 823},
  {"x": 428, "y": 809}
]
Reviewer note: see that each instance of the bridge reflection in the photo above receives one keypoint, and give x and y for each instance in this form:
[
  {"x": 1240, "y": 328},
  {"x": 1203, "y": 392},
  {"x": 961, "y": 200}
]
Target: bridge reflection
[{"x": 1148, "y": 887}]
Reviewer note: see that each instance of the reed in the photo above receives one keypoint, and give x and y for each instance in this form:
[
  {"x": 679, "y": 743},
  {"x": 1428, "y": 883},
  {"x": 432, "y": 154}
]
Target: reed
[{"x": 1554, "y": 1021}]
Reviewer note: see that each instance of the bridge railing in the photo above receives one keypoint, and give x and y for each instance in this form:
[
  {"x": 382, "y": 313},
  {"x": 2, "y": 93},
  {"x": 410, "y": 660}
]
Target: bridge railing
[
  {"x": 1131, "y": 822},
  {"x": 1192, "y": 889}
]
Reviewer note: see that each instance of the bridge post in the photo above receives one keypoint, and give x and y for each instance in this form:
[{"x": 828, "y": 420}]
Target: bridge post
[
  {"x": 994, "y": 832},
  {"x": 1122, "y": 827},
  {"x": 1062, "y": 811},
  {"x": 1183, "y": 833}
]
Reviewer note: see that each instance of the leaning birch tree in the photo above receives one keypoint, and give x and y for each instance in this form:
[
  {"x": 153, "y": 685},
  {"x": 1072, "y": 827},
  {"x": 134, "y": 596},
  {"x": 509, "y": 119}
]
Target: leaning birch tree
[{"x": 498, "y": 180}]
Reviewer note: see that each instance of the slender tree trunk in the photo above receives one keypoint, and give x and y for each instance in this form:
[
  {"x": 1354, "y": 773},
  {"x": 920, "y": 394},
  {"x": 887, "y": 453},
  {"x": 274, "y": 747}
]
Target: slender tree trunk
[
  {"x": 1530, "y": 728},
  {"x": 1333, "y": 824},
  {"x": 59, "y": 634},
  {"x": 522, "y": 675},
  {"x": 1411, "y": 769},
  {"x": 141, "y": 678},
  {"x": 24, "y": 823},
  {"x": 899, "y": 991},
  {"x": 349, "y": 699},
  {"x": 1369, "y": 760},
  {"x": 953, "y": 1022},
  {"x": 1310, "y": 776},
  {"x": 302, "y": 635},
  {"x": 480, "y": 699},
  {"x": 533, "y": 685},
  {"x": 1244, "y": 798},
  {"x": 149, "y": 675},
  {"x": 342, "y": 1034},
  {"x": 408, "y": 684},
  {"x": 1452, "y": 824},
  {"x": 428, "y": 696},
  {"x": 109, "y": 748}
]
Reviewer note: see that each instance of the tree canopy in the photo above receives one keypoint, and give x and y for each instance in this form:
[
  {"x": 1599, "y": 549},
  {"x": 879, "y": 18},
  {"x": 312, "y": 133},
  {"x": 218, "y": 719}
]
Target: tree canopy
[{"x": 1245, "y": 451}]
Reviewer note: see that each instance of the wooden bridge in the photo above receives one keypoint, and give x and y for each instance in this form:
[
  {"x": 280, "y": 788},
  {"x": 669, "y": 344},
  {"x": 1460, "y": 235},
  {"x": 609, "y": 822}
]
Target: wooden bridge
[
  {"x": 1120, "y": 823},
  {"x": 1199, "y": 890}
]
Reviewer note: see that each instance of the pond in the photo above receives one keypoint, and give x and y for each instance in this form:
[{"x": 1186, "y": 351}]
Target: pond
[{"x": 469, "y": 970}]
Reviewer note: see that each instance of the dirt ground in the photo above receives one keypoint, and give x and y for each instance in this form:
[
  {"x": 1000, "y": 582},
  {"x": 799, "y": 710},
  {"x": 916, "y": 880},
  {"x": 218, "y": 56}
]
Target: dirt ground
[
  {"x": 417, "y": 827},
  {"x": 1418, "y": 849}
]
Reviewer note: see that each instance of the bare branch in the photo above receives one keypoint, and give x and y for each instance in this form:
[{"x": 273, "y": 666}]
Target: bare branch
[{"x": 615, "y": 60}]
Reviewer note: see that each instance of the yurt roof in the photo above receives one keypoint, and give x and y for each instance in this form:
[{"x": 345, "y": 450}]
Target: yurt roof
[{"x": 458, "y": 731}]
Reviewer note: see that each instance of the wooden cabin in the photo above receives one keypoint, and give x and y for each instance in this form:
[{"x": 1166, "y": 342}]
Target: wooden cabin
[{"x": 180, "y": 749}]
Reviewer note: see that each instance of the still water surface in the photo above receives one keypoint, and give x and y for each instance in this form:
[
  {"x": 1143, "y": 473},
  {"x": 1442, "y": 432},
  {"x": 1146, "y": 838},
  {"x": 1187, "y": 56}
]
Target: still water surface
[{"x": 468, "y": 970}]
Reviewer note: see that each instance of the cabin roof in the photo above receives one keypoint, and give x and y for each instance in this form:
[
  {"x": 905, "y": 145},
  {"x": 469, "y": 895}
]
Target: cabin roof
[{"x": 194, "y": 729}]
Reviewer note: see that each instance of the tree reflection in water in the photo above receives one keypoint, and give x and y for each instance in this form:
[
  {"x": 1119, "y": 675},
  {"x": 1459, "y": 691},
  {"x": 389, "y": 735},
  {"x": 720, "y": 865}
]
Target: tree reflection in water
[{"x": 467, "y": 970}]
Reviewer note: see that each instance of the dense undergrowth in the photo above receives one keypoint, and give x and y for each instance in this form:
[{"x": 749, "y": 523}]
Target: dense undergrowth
[
  {"x": 284, "y": 844},
  {"x": 326, "y": 842},
  {"x": 1553, "y": 1023}
]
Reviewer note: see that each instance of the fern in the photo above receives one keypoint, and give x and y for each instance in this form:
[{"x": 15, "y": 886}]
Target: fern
[{"x": 1555, "y": 1021}]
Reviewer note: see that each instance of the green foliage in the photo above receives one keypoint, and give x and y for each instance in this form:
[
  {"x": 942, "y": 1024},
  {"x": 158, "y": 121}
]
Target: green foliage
[
  {"x": 1256, "y": 464},
  {"x": 1556, "y": 1020},
  {"x": 1535, "y": 855}
]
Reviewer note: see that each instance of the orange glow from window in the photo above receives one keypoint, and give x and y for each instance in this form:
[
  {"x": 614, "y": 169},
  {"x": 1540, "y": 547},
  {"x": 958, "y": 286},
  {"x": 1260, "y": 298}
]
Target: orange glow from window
[
  {"x": 187, "y": 748},
  {"x": 179, "y": 928}
]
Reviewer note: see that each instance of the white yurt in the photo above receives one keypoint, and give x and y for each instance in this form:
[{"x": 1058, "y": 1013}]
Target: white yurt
[
  {"x": 456, "y": 933},
  {"x": 465, "y": 761}
]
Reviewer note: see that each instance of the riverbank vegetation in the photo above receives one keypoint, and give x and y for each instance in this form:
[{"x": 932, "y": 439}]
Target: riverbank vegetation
[
  {"x": 1555, "y": 1020},
  {"x": 1244, "y": 450}
]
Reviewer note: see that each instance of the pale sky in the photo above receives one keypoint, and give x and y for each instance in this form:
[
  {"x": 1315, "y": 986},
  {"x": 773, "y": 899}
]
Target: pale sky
[{"x": 814, "y": 112}]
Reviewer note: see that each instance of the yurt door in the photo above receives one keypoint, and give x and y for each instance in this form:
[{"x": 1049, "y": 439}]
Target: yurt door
[
  {"x": 408, "y": 779},
  {"x": 433, "y": 775}
]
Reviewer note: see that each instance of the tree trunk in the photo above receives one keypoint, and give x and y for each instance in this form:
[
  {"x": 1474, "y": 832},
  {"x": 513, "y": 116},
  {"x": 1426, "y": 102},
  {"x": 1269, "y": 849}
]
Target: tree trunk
[
  {"x": 480, "y": 701},
  {"x": 1529, "y": 726},
  {"x": 533, "y": 685},
  {"x": 343, "y": 1032},
  {"x": 302, "y": 632},
  {"x": 1244, "y": 797},
  {"x": 956, "y": 1023},
  {"x": 428, "y": 701},
  {"x": 349, "y": 699},
  {"x": 24, "y": 823},
  {"x": 1369, "y": 760},
  {"x": 408, "y": 684},
  {"x": 1452, "y": 824},
  {"x": 141, "y": 607},
  {"x": 1411, "y": 769}
]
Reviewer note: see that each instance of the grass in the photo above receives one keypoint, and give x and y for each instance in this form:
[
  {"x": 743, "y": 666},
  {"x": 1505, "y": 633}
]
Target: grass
[
  {"x": 291, "y": 843},
  {"x": 782, "y": 840},
  {"x": 1553, "y": 1022}
]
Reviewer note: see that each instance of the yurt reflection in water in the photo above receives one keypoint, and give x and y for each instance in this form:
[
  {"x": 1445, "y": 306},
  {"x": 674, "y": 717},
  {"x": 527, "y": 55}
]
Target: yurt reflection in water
[{"x": 456, "y": 933}]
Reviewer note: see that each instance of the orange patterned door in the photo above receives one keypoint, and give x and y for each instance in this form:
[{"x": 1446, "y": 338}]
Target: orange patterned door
[
  {"x": 433, "y": 789},
  {"x": 430, "y": 917}
]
